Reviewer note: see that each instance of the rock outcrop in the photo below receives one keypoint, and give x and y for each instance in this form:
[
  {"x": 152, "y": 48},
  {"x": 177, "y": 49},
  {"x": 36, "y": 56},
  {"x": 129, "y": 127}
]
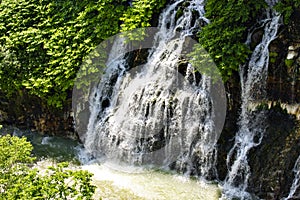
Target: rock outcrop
[{"x": 30, "y": 112}]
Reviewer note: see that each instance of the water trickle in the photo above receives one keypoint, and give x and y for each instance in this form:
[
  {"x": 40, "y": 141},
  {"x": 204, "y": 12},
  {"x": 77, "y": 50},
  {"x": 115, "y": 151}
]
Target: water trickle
[
  {"x": 296, "y": 182},
  {"x": 251, "y": 127},
  {"x": 157, "y": 113}
]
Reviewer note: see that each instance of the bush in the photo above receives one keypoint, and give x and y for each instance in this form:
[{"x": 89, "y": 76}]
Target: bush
[
  {"x": 286, "y": 8},
  {"x": 19, "y": 181},
  {"x": 224, "y": 38}
]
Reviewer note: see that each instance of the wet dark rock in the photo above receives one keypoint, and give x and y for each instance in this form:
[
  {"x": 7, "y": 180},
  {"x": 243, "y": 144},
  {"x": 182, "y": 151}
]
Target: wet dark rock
[
  {"x": 256, "y": 37},
  {"x": 273, "y": 160},
  {"x": 30, "y": 112},
  {"x": 284, "y": 73},
  {"x": 226, "y": 139},
  {"x": 294, "y": 26}
]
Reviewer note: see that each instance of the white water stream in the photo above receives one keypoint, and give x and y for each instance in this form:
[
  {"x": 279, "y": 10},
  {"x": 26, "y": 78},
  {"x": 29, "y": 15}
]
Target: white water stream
[
  {"x": 251, "y": 127},
  {"x": 296, "y": 182}
]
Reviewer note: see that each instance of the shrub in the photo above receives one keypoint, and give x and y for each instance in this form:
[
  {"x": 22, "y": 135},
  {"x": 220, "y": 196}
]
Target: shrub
[{"x": 19, "y": 181}]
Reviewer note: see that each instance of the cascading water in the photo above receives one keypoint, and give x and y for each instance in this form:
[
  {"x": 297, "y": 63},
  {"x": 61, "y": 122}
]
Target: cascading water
[
  {"x": 161, "y": 112},
  {"x": 109, "y": 84},
  {"x": 296, "y": 182},
  {"x": 251, "y": 127}
]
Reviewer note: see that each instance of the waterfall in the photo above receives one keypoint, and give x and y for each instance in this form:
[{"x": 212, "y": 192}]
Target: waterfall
[
  {"x": 161, "y": 112},
  {"x": 102, "y": 93},
  {"x": 296, "y": 181},
  {"x": 251, "y": 127}
]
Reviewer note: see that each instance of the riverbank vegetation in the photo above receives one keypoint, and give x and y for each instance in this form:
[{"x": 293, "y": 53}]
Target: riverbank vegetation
[{"x": 19, "y": 179}]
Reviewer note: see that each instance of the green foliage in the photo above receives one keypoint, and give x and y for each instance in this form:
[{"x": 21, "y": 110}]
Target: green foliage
[
  {"x": 8, "y": 65},
  {"x": 19, "y": 181},
  {"x": 140, "y": 13},
  {"x": 139, "y": 16},
  {"x": 224, "y": 38},
  {"x": 14, "y": 150},
  {"x": 44, "y": 42},
  {"x": 289, "y": 62},
  {"x": 203, "y": 63},
  {"x": 273, "y": 56},
  {"x": 286, "y": 8}
]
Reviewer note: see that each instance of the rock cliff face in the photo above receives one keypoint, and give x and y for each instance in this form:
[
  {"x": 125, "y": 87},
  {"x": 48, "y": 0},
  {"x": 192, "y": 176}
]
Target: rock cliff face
[
  {"x": 284, "y": 72},
  {"x": 273, "y": 160},
  {"x": 30, "y": 112}
]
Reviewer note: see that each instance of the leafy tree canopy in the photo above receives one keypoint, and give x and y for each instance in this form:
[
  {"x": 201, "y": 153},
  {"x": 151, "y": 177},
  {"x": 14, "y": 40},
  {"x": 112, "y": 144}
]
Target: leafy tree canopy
[
  {"x": 287, "y": 7},
  {"x": 224, "y": 38},
  {"x": 43, "y": 42}
]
